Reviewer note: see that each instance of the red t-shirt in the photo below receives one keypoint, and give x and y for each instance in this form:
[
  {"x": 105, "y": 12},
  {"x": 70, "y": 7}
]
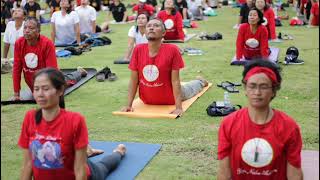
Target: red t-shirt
[
  {"x": 173, "y": 25},
  {"x": 315, "y": 13},
  {"x": 269, "y": 18},
  {"x": 52, "y": 145},
  {"x": 143, "y": 8},
  {"x": 259, "y": 151},
  {"x": 29, "y": 59},
  {"x": 155, "y": 85},
  {"x": 252, "y": 45}
]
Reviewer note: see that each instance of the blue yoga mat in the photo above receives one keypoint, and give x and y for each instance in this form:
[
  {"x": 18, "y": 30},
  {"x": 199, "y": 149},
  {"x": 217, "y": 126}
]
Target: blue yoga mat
[{"x": 137, "y": 157}]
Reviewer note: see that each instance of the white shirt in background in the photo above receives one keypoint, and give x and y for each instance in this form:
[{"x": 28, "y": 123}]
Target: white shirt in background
[
  {"x": 65, "y": 27},
  {"x": 86, "y": 16},
  {"x": 194, "y": 4},
  {"x": 11, "y": 34},
  {"x": 139, "y": 38}
]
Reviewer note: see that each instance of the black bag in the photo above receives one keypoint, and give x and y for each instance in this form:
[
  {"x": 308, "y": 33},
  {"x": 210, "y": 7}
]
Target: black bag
[
  {"x": 213, "y": 110},
  {"x": 278, "y": 22},
  {"x": 73, "y": 50}
]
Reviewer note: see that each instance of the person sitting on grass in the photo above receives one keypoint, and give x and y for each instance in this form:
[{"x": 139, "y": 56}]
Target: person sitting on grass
[
  {"x": 33, "y": 9},
  {"x": 137, "y": 34},
  {"x": 269, "y": 18},
  {"x": 195, "y": 9},
  {"x": 54, "y": 140},
  {"x": 87, "y": 17},
  {"x": 244, "y": 12},
  {"x": 14, "y": 30},
  {"x": 54, "y": 6},
  {"x": 143, "y": 7},
  {"x": 259, "y": 142},
  {"x": 155, "y": 72},
  {"x": 172, "y": 20},
  {"x": 183, "y": 8},
  {"x": 31, "y": 53},
  {"x": 65, "y": 28},
  {"x": 119, "y": 13},
  {"x": 252, "y": 40},
  {"x": 314, "y": 14}
]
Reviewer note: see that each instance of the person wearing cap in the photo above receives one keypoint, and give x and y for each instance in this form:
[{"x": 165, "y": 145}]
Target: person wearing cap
[
  {"x": 258, "y": 141},
  {"x": 143, "y": 7},
  {"x": 269, "y": 18},
  {"x": 252, "y": 40},
  {"x": 172, "y": 20}
]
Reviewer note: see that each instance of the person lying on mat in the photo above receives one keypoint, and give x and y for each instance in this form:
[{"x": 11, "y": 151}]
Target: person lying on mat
[
  {"x": 252, "y": 40},
  {"x": 259, "y": 142},
  {"x": 54, "y": 140},
  {"x": 65, "y": 28},
  {"x": 155, "y": 71},
  {"x": 137, "y": 34},
  {"x": 172, "y": 20},
  {"x": 32, "y": 52},
  {"x": 269, "y": 18}
]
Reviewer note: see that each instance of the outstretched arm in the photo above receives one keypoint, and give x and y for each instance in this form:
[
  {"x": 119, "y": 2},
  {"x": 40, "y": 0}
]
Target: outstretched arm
[
  {"x": 224, "y": 171},
  {"x": 26, "y": 170},
  {"x": 132, "y": 90},
  {"x": 176, "y": 86}
]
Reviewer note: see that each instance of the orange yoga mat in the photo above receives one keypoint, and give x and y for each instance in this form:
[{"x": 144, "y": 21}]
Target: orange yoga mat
[{"x": 142, "y": 110}]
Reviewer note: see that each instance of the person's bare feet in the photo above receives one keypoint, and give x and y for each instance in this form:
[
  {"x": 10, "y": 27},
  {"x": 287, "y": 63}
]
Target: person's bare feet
[
  {"x": 121, "y": 149},
  {"x": 82, "y": 71},
  {"x": 205, "y": 82},
  {"x": 93, "y": 152}
]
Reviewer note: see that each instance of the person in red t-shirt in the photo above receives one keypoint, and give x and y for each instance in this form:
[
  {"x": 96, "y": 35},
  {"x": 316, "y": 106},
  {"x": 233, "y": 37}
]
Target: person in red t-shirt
[
  {"x": 269, "y": 18},
  {"x": 314, "y": 14},
  {"x": 31, "y": 53},
  {"x": 172, "y": 20},
  {"x": 155, "y": 71},
  {"x": 252, "y": 40},
  {"x": 143, "y": 8},
  {"x": 259, "y": 142},
  {"x": 55, "y": 141}
]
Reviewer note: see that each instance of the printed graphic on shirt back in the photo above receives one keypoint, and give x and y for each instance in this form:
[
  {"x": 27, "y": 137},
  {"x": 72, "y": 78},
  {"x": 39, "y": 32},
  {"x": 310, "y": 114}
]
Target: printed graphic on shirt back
[{"x": 47, "y": 155}]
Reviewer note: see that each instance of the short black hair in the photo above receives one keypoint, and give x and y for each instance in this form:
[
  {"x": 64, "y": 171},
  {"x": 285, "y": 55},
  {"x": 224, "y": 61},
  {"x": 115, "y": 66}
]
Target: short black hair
[
  {"x": 260, "y": 15},
  {"x": 36, "y": 21},
  {"x": 264, "y": 63}
]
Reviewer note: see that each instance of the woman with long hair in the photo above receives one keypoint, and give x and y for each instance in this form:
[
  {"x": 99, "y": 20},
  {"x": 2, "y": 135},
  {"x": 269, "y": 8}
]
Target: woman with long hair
[
  {"x": 55, "y": 141},
  {"x": 269, "y": 18}
]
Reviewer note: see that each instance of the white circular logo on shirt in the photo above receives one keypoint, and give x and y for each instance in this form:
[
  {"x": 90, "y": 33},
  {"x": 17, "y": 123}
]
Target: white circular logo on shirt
[
  {"x": 252, "y": 42},
  {"x": 168, "y": 23},
  {"x": 31, "y": 60},
  {"x": 265, "y": 21},
  {"x": 257, "y": 152},
  {"x": 150, "y": 73}
]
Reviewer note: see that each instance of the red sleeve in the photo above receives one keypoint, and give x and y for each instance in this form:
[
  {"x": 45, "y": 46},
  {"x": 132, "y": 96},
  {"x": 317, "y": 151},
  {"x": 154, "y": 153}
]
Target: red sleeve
[
  {"x": 135, "y": 8},
  {"x": 177, "y": 62},
  {"x": 240, "y": 42},
  {"x": 150, "y": 9},
  {"x": 80, "y": 133},
  {"x": 134, "y": 60},
  {"x": 51, "y": 60},
  {"x": 224, "y": 141},
  {"x": 293, "y": 148},
  {"x": 17, "y": 67},
  {"x": 271, "y": 23},
  {"x": 23, "y": 141},
  {"x": 179, "y": 26},
  {"x": 264, "y": 46}
]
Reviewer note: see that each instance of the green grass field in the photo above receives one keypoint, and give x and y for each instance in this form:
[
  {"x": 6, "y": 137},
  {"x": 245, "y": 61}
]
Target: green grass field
[{"x": 189, "y": 144}]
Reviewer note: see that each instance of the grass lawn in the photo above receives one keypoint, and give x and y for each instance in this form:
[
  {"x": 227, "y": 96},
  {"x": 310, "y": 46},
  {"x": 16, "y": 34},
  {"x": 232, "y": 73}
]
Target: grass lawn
[{"x": 189, "y": 144}]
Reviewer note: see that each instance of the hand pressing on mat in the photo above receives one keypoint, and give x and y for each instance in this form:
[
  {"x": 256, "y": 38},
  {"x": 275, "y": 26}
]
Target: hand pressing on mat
[
  {"x": 127, "y": 109},
  {"x": 16, "y": 97},
  {"x": 177, "y": 111}
]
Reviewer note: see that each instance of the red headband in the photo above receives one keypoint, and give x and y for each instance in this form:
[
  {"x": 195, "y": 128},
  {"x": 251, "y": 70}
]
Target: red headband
[{"x": 267, "y": 71}]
